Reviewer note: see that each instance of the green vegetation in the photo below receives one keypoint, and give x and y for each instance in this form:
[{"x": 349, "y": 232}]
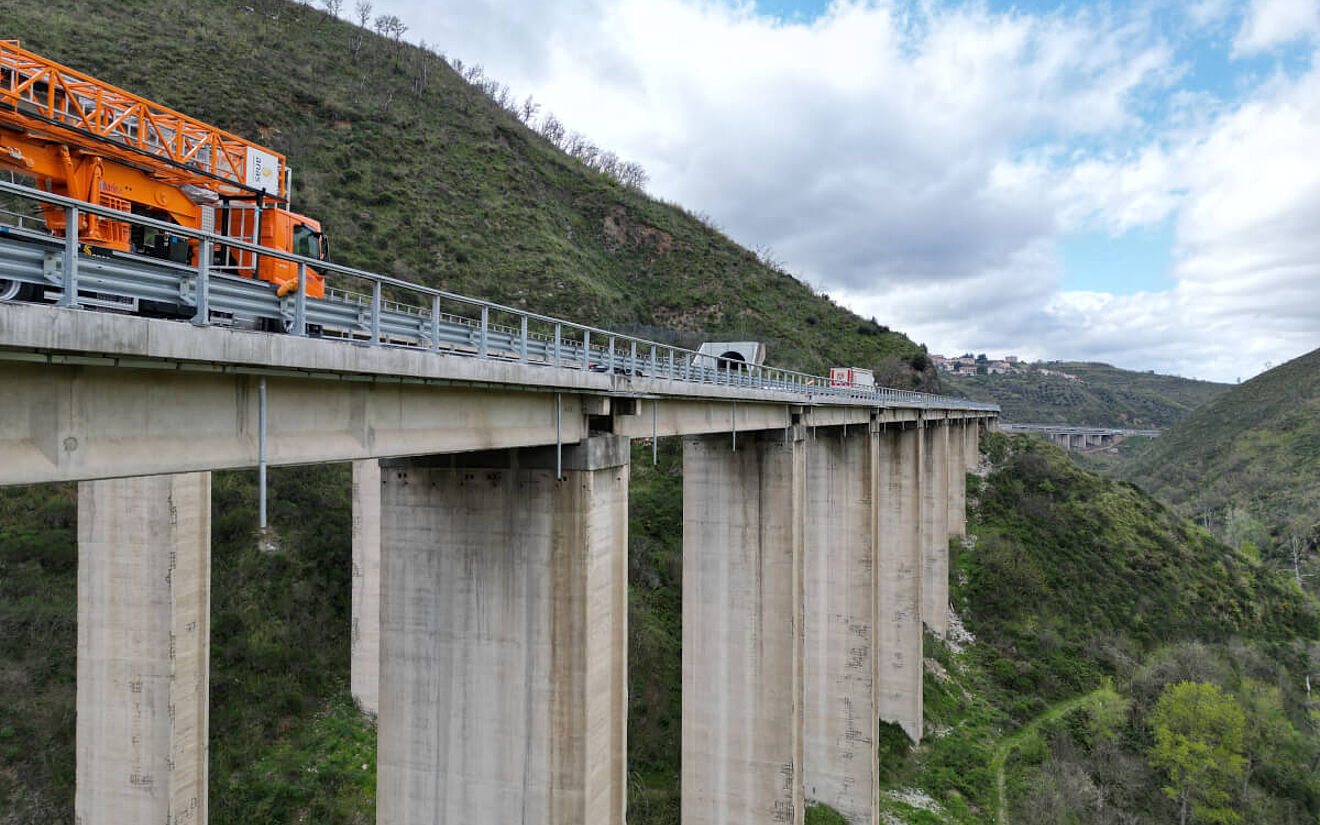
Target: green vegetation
[
  {"x": 823, "y": 815},
  {"x": 1247, "y": 467},
  {"x": 1087, "y": 600},
  {"x": 38, "y": 650},
  {"x": 415, "y": 173},
  {"x": 1104, "y": 396},
  {"x": 287, "y": 745},
  {"x": 1198, "y": 743},
  {"x": 655, "y": 633}
]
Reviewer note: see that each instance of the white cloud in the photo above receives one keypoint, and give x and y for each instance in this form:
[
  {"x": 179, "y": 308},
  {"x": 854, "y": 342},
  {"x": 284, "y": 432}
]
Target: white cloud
[
  {"x": 923, "y": 160},
  {"x": 1271, "y": 23}
]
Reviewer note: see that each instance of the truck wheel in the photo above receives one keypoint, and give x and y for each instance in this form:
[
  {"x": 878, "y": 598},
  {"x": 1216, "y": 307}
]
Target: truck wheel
[
  {"x": 285, "y": 326},
  {"x": 15, "y": 291}
]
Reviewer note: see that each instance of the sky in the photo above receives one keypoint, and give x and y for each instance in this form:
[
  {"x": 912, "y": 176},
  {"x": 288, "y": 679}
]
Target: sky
[{"x": 1129, "y": 182}]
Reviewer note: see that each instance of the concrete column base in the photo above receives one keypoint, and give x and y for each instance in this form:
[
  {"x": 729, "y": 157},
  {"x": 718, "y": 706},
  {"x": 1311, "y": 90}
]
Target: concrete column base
[
  {"x": 898, "y": 656},
  {"x": 503, "y": 694},
  {"x": 364, "y": 640},
  {"x": 742, "y": 747},
  {"x": 144, "y": 601}
]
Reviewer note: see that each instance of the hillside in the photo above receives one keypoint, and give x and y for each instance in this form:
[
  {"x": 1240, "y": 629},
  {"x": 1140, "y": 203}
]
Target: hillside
[
  {"x": 1086, "y": 603},
  {"x": 416, "y": 173},
  {"x": 1103, "y": 396},
  {"x": 1247, "y": 465}
]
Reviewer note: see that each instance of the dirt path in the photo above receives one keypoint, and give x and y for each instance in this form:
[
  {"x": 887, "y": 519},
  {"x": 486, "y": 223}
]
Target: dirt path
[{"x": 1000, "y": 758}]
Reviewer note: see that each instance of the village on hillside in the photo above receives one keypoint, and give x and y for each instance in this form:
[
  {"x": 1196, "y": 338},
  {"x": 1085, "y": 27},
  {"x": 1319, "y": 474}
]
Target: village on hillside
[{"x": 973, "y": 365}]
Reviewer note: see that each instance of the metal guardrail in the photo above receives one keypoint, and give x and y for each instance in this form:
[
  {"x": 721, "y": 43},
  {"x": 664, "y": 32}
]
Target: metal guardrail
[{"x": 441, "y": 321}]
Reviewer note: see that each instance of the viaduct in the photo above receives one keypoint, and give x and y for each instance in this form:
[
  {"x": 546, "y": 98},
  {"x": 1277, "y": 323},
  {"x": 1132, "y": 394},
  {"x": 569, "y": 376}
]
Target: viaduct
[
  {"x": 490, "y": 501},
  {"x": 1078, "y": 439}
]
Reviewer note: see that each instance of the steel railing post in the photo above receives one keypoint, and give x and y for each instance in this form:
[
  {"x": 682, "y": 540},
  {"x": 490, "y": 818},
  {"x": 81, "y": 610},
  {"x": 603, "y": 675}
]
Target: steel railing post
[
  {"x": 70, "y": 261},
  {"x": 300, "y": 302},
  {"x": 522, "y": 356},
  {"x": 203, "y": 314},
  {"x": 632, "y": 357},
  {"x": 611, "y": 360},
  {"x": 558, "y": 334},
  {"x": 653, "y": 364},
  {"x": 375, "y": 313},
  {"x": 586, "y": 349},
  {"x": 485, "y": 331},
  {"x": 435, "y": 323}
]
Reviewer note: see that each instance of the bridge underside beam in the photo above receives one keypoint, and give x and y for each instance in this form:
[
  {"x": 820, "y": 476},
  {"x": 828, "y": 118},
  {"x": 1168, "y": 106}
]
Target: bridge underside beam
[
  {"x": 503, "y": 642},
  {"x": 65, "y": 423}
]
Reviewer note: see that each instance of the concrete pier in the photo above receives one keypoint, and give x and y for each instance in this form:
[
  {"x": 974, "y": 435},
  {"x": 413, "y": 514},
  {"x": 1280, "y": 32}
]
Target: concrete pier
[
  {"x": 840, "y": 710},
  {"x": 935, "y": 526},
  {"x": 971, "y": 444},
  {"x": 742, "y": 749},
  {"x": 957, "y": 476},
  {"x": 364, "y": 641},
  {"x": 898, "y": 656},
  {"x": 144, "y": 570},
  {"x": 503, "y": 649}
]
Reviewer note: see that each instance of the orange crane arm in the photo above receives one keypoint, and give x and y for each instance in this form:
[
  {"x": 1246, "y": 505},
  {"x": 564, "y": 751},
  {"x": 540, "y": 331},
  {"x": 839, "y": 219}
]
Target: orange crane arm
[{"x": 53, "y": 101}]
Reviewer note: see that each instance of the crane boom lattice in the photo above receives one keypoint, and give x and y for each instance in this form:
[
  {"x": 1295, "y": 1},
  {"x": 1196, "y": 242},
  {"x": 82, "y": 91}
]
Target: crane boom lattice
[{"x": 45, "y": 96}]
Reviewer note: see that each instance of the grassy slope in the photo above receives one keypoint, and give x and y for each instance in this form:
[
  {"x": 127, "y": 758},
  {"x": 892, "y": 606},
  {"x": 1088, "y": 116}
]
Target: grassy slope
[
  {"x": 1105, "y": 397},
  {"x": 1248, "y": 461},
  {"x": 1072, "y": 584},
  {"x": 429, "y": 180}
]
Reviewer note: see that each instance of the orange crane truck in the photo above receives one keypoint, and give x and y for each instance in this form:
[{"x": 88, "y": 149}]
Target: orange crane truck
[{"x": 88, "y": 140}]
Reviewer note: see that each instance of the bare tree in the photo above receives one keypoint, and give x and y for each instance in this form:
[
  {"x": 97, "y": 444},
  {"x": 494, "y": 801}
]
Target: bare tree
[
  {"x": 588, "y": 153},
  {"x": 475, "y": 75},
  {"x": 333, "y": 7},
  {"x": 552, "y": 129},
  {"x": 363, "y": 12},
  {"x": 608, "y": 163},
  {"x": 528, "y": 110},
  {"x": 573, "y": 143},
  {"x": 421, "y": 69},
  {"x": 632, "y": 174}
]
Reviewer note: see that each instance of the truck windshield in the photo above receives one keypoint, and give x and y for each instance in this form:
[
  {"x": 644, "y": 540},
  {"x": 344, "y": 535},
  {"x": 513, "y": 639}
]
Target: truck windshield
[{"x": 306, "y": 241}]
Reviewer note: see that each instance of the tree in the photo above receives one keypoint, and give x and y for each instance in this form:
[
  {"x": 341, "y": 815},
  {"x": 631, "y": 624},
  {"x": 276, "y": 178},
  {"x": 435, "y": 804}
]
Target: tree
[
  {"x": 552, "y": 129},
  {"x": 363, "y": 11},
  {"x": 333, "y": 7},
  {"x": 528, "y": 110},
  {"x": 1199, "y": 743}
]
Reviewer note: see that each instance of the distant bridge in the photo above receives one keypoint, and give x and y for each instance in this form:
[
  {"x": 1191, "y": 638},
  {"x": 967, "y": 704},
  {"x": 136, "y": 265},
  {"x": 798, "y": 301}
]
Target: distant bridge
[{"x": 1077, "y": 439}]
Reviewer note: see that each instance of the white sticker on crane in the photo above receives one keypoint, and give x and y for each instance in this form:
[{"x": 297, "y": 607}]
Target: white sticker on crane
[{"x": 263, "y": 170}]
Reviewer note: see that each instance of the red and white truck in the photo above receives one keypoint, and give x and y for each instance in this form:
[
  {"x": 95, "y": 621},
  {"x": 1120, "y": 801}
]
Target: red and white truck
[{"x": 856, "y": 377}]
